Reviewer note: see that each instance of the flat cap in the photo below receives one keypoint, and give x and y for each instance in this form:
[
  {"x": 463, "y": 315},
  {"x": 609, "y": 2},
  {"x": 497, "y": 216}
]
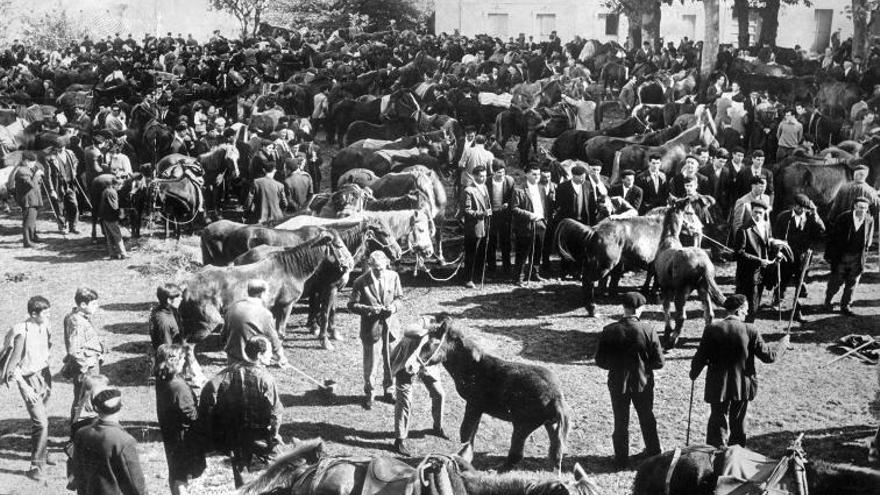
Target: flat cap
[
  {"x": 628, "y": 171},
  {"x": 633, "y": 300},
  {"x": 734, "y": 302}
]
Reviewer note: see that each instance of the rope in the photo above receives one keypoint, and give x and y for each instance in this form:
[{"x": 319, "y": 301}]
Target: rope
[{"x": 420, "y": 263}]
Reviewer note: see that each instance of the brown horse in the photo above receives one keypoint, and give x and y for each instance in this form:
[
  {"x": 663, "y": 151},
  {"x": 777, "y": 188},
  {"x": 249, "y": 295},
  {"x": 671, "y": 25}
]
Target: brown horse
[
  {"x": 699, "y": 467},
  {"x": 528, "y": 396},
  {"x": 213, "y": 289},
  {"x": 221, "y": 167},
  {"x": 634, "y": 156},
  {"x": 304, "y": 471},
  {"x": 680, "y": 270}
]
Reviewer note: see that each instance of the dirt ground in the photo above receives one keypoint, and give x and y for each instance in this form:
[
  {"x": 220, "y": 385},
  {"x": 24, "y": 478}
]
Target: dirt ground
[{"x": 542, "y": 324}]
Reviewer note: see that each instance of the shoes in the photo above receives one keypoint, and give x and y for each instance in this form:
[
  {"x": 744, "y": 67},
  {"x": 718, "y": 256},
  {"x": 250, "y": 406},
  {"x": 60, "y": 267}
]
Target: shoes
[
  {"x": 519, "y": 283},
  {"x": 438, "y": 432},
  {"x": 401, "y": 448},
  {"x": 536, "y": 277},
  {"x": 470, "y": 285},
  {"x": 120, "y": 257},
  {"x": 38, "y": 240},
  {"x": 335, "y": 336},
  {"x": 388, "y": 398},
  {"x": 74, "y": 231},
  {"x": 846, "y": 311},
  {"x": 36, "y": 473},
  {"x": 63, "y": 230},
  {"x": 367, "y": 402}
]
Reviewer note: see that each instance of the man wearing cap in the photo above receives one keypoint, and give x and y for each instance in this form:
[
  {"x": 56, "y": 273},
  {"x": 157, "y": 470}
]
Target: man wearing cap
[
  {"x": 858, "y": 187},
  {"x": 375, "y": 296},
  {"x": 653, "y": 183},
  {"x": 29, "y": 195},
  {"x": 180, "y": 143},
  {"x": 115, "y": 121},
  {"x": 63, "y": 185},
  {"x": 630, "y": 350},
  {"x": 751, "y": 246},
  {"x": 728, "y": 349},
  {"x": 789, "y": 135},
  {"x": 574, "y": 198},
  {"x": 627, "y": 189},
  {"x": 742, "y": 209},
  {"x": 800, "y": 226},
  {"x": 755, "y": 169},
  {"x": 405, "y": 366},
  {"x": 476, "y": 210},
  {"x": 266, "y": 198},
  {"x": 262, "y": 158},
  {"x": 847, "y": 252},
  {"x": 105, "y": 456},
  {"x": 475, "y": 156},
  {"x": 298, "y": 184}
]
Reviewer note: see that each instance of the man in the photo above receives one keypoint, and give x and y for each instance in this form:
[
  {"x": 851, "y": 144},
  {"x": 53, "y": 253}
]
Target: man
[
  {"x": 477, "y": 211},
  {"x": 719, "y": 180},
  {"x": 477, "y": 155},
  {"x": 742, "y": 209},
  {"x": 180, "y": 142},
  {"x": 789, "y": 135},
  {"x": 164, "y": 321},
  {"x": 627, "y": 189},
  {"x": 756, "y": 169},
  {"x": 84, "y": 347},
  {"x": 630, "y": 350},
  {"x": 847, "y": 252},
  {"x": 29, "y": 196},
  {"x": 406, "y": 367},
  {"x": 262, "y": 159},
  {"x": 29, "y": 368},
  {"x": 118, "y": 163},
  {"x": 528, "y": 211},
  {"x": 702, "y": 206},
  {"x": 248, "y": 318},
  {"x": 266, "y": 198},
  {"x": 575, "y": 200},
  {"x": 728, "y": 348},
  {"x": 751, "y": 246},
  {"x": 63, "y": 188},
  {"x": 298, "y": 184},
  {"x": 115, "y": 121},
  {"x": 800, "y": 226},
  {"x": 548, "y": 188},
  {"x": 375, "y": 296},
  {"x": 105, "y": 457},
  {"x": 500, "y": 189},
  {"x": 655, "y": 190},
  {"x": 584, "y": 110},
  {"x": 110, "y": 213},
  {"x": 856, "y": 188},
  {"x": 688, "y": 170}
]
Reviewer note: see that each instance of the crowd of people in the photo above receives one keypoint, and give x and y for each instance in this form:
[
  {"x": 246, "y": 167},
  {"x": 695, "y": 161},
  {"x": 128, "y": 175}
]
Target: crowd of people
[{"x": 239, "y": 410}]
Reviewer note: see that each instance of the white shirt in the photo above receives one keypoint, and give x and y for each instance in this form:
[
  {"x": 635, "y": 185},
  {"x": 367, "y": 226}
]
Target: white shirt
[
  {"x": 535, "y": 196},
  {"x": 857, "y": 222},
  {"x": 799, "y": 219}
]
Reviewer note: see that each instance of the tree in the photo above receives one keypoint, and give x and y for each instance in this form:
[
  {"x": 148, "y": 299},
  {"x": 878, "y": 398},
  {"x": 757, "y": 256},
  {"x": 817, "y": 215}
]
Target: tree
[
  {"x": 335, "y": 14},
  {"x": 710, "y": 41},
  {"x": 51, "y": 30},
  {"x": 644, "y": 19},
  {"x": 248, "y": 12},
  {"x": 866, "y": 21},
  {"x": 741, "y": 13}
]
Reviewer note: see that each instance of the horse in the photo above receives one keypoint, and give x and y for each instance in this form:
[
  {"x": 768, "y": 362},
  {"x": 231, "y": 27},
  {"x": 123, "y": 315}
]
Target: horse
[
  {"x": 604, "y": 249},
  {"x": 304, "y": 471},
  {"x": 392, "y": 154},
  {"x": 413, "y": 229},
  {"x": 363, "y": 177},
  {"x": 401, "y": 104},
  {"x": 821, "y": 129},
  {"x": 345, "y": 201},
  {"x": 177, "y": 196},
  {"x": 389, "y": 131},
  {"x": 150, "y": 137},
  {"x": 360, "y": 238},
  {"x": 220, "y": 166},
  {"x": 524, "y": 394},
  {"x": 213, "y": 289},
  {"x": 680, "y": 270},
  {"x": 426, "y": 182},
  {"x": 634, "y": 156},
  {"x": 603, "y": 148},
  {"x": 698, "y": 469},
  {"x": 570, "y": 144},
  {"x": 613, "y": 75}
]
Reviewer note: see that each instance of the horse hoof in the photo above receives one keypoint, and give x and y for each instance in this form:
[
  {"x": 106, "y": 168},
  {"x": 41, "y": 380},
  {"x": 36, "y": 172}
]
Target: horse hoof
[
  {"x": 326, "y": 345},
  {"x": 337, "y": 337}
]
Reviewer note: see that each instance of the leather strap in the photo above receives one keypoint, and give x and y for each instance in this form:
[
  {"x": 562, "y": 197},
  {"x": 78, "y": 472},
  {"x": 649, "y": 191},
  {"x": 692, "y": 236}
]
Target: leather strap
[{"x": 676, "y": 456}]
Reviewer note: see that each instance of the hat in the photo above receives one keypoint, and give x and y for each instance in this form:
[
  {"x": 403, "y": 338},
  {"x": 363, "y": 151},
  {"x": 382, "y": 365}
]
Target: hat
[
  {"x": 180, "y": 127},
  {"x": 228, "y": 132},
  {"x": 734, "y": 302},
  {"x": 379, "y": 258},
  {"x": 594, "y": 163},
  {"x": 758, "y": 179},
  {"x": 633, "y": 300},
  {"x": 860, "y": 166},
  {"x": 627, "y": 171},
  {"x": 107, "y": 401},
  {"x": 722, "y": 153},
  {"x": 803, "y": 201},
  {"x": 692, "y": 157},
  {"x": 757, "y": 153},
  {"x": 757, "y": 203},
  {"x": 861, "y": 199},
  {"x": 102, "y": 135},
  {"x": 29, "y": 156},
  {"x": 689, "y": 179}
]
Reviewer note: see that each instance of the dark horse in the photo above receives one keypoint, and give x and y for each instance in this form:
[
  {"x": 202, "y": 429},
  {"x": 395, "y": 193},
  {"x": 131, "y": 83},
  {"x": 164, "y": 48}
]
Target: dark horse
[
  {"x": 213, "y": 289},
  {"x": 220, "y": 166},
  {"x": 700, "y": 468},
  {"x": 389, "y": 131},
  {"x": 526, "y": 395},
  {"x": 150, "y": 137},
  {"x": 401, "y": 104},
  {"x": 132, "y": 196},
  {"x": 177, "y": 195},
  {"x": 305, "y": 471},
  {"x": 570, "y": 144}
]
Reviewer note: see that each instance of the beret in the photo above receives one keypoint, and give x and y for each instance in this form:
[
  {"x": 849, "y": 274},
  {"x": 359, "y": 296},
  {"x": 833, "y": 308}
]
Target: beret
[
  {"x": 594, "y": 163},
  {"x": 29, "y": 156},
  {"x": 758, "y": 179},
  {"x": 734, "y": 302},
  {"x": 107, "y": 401},
  {"x": 689, "y": 179},
  {"x": 633, "y": 300},
  {"x": 803, "y": 201},
  {"x": 861, "y": 166},
  {"x": 628, "y": 171},
  {"x": 758, "y": 203},
  {"x": 722, "y": 153},
  {"x": 691, "y": 157},
  {"x": 861, "y": 199}
]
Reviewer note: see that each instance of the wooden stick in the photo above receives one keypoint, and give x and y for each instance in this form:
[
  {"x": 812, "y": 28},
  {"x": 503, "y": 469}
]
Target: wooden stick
[{"x": 848, "y": 353}]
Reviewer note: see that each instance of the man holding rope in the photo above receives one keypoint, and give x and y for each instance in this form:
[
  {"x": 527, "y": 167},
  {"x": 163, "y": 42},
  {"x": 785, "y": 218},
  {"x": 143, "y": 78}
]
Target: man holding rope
[{"x": 847, "y": 252}]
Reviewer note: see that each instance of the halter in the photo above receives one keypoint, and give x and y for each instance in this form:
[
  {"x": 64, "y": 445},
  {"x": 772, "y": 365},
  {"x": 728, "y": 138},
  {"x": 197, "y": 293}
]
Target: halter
[
  {"x": 344, "y": 261},
  {"x": 424, "y": 363}
]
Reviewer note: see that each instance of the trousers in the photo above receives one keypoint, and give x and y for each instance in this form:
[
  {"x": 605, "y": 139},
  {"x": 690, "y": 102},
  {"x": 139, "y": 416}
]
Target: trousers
[
  {"x": 41, "y": 382},
  {"x": 371, "y": 350},
  {"x": 727, "y": 423},
  {"x": 643, "y": 403},
  {"x": 499, "y": 238},
  {"x": 847, "y": 272},
  {"x": 529, "y": 250},
  {"x": 474, "y": 258},
  {"x": 29, "y": 225},
  {"x": 404, "y": 400}
]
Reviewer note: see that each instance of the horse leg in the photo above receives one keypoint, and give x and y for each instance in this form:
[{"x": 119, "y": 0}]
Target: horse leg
[
  {"x": 281, "y": 312},
  {"x": 470, "y": 423},
  {"x": 708, "y": 310},
  {"x": 588, "y": 292},
  {"x": 680, "y": 315},
  {"x": 557, "y": 442},
  {"x": 324, "y": 317},
  {"x": 312, "y": 319},
  {"x": 666, "y": 301},
  {"x": 517, "y": 444}
]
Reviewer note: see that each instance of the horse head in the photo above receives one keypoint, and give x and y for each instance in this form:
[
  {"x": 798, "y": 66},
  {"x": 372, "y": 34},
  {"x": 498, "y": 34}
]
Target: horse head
[
  {"x": 404, "y": 105},
  {"x": 231, "y": 157},
  {"x": 708, "y": 130},
  {"x": 382, "y": 238},
  {"x": 421, "y": 233},
  {"x": 200, "y": 308},
  {"x": 441, "y": 341},
  {"x": 335, "y": 251},
  {"x": 681, "y": 216}
]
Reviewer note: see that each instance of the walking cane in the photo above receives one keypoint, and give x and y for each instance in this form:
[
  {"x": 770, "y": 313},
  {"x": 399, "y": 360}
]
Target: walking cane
[
  {"x": 485, "y": 251},
  {"x": 85, "y": 196},
  {"x": 687, "y": 438},
  {"x": 778, "y": 292},
  {"x": 51, "y": 203},
  {"x": 531, "y": 254},
  {"x": 800, "y": 286}
]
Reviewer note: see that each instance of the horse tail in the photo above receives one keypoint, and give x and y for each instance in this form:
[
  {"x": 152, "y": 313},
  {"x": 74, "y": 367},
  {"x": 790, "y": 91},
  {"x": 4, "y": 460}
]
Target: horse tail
[
  {"x": 571, "y": 239},
  {"x": 563, "y": 424},
  {"x": 713, "y": 288},
  {"x": 286, "y": 470}
]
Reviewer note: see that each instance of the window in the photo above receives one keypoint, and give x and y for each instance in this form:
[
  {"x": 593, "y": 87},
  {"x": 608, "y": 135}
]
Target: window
[
  {"x": 612, "y": 22},
  {"x": 546, "y": 24},
  {"x": 498, "y": 25}
]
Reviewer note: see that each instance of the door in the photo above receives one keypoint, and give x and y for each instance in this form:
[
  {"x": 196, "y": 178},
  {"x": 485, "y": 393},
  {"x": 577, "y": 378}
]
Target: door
[
  {"x": 498, "y": 25},
  {"x": 546, "y": 25},
  {"x": 823, "y": 29}
]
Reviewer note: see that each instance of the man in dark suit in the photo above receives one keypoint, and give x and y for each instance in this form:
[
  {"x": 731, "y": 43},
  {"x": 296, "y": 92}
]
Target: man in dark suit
[
  {"x": 500, "y": 188},
  {"x": 262, "y": 159},
  {"x": 729, "y": 348},
  {"x": 751, "y": 244},
  {"x": 528, "y": 211},
  {"x": 688, "y": 170},
  {"x": 298, "y": 184},
  {"x": 29, "y": 195},
  {"x": 627, "y": 189},
  {"x": 847, "y": 252},
  {"x": 800, "y": 226},
  {"x": 476, "y": 210},
  {"x": 266, "y": 198},
  {"x": 755, "y": 169},
  {"x": 630, "y": 350},
  {"x": 653, "y": 184},
  {"x": 719, "y": 176}
]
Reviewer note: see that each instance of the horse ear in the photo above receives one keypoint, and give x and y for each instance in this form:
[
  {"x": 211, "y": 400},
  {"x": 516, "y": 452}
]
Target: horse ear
[
  {"x": 579, "y": 472},
  {"x": 466, "y": 452}
]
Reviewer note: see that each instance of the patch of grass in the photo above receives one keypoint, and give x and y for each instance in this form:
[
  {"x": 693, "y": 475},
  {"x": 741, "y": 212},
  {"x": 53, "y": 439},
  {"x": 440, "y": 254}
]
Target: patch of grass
[{"x": 19, "y": 277}]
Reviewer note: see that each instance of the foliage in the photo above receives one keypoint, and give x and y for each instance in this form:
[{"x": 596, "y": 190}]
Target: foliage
[
  {"x": 51, "y": 30},
  {"x": 248, "y": 12},
  {"x": 863, "y": 10},
  {"x": 335, "y": 14}
]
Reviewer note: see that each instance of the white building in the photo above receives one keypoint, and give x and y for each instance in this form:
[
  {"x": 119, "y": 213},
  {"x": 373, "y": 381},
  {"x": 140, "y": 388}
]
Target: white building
[{"x": 811, "y": 27}]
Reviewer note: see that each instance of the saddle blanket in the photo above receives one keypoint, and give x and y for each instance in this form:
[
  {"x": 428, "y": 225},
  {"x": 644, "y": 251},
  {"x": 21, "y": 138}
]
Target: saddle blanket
[
  {"x": 503, "y": 100},
  {"x": 745, "y": 473},
  {"x": 391, "y": 155}
]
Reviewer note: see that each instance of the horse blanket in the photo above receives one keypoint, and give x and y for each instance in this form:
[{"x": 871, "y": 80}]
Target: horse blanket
[
  {"x": 745, "y": 472},
  {"x": 491, "y": 99}
]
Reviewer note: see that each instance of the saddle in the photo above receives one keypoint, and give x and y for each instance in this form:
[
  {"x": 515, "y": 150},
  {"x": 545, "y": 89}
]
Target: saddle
[{"x": 389, "y": 476}]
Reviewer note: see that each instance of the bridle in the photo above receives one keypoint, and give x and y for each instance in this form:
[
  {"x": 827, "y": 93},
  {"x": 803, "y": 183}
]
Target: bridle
[
  {"x": 343, "y": 260},
  {"x": 425, "y": 362}
]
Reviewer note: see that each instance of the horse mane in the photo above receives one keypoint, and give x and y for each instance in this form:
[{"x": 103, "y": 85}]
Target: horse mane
[
  {"x": 396, "y": 221},
  {"x": 512, "y": 483},
  {"x": 841, "y": 479},
  {"x": 295, "y": 260},
  {"x": 286, "y": 469}
]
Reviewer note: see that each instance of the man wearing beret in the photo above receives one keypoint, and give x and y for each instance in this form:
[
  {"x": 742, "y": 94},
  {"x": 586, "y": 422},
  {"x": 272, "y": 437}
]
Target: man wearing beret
[
  {"x": 800, "y": 226},
  {"x": 751, "y": 246},
  {"x": 655, "y": 189},
  {"x": 630, "y": 350},
  {"x": 728, "y": 349},
  {"x": 856, "y": 188},
  {"x": 688, "y": 171},
  {"x": 847, "y": 252}
]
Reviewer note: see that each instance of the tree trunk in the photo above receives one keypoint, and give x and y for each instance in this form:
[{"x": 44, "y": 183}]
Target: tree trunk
[
  {"x": 860, "y": 29},
  {"x": 651, "y": 23},
  {"x": 770, "y": 24},
  {"x": 634, "y": 30},
  {"x": 710, "y": 43},
  {"x": 741, "y": 12}
]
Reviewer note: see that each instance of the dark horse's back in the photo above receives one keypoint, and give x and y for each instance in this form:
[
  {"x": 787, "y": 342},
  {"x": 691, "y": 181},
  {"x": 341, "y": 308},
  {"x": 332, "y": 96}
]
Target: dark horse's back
[{"x": 694, "y": 472}]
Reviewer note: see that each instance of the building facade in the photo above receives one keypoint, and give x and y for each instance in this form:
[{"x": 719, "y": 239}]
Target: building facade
[{"x": 811, "y": 27}]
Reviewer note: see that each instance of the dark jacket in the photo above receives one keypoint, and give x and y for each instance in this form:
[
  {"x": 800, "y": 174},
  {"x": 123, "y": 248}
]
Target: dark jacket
[
  {"x": 299, "y": 188},
  {"x": 109, "y": 210},
  {"x": 719, "y": 186},
  {"x": 567, "y": 207},
  {"x": 676, "y": 185},
  {"x": 105, "y": 461},
  {"x": 521, "y": 207},
  {"x": 750, "y": 248},
  {"x": 177, "y": 414},
  {"x": 729, "y": 348},
  {"x": 507, "y": 186},
  {"x": 843, "y": 237},
  {"x": 28, "y": 192},
  {"x": 630, "y": 350},
  {"x": 745, "y": 181},
  {"x": 476, "y": 207},
  {"x": 652, "y": 197},
  {"x": 265, "y": 201},
  {"x": 633, "y": 196},
  {"x": 164, "y": 327},
  {"x": 366, "y": 294},
  {"x": 799, "y": 238}
]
